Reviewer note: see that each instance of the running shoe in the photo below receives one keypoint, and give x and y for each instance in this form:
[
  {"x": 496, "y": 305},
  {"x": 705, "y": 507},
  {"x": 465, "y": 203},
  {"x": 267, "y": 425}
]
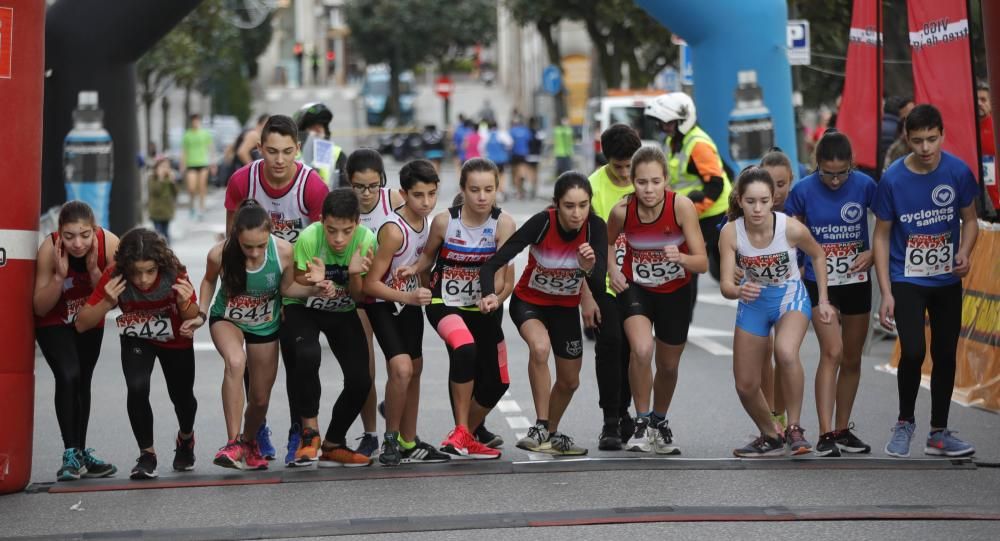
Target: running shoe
[
  {"x": 945, "y": 443},
  {"x": 639, "y": 442},
  {"x": 663, "y": 439},
  {"x": 253, "y": 458},
  {"x": 391, "y": 454},
  {"x": 899, "y": 443},
  {"x": 562, "y": 445},
  {"x": 145, "y": 467},
  {"x": 231, "y": 455},
  {"x": 626, "y": 427},
  {"x": 827, "y": 445},
  {"x": 763, "y": 446},
  {"x": 456, "y": 444},
  {"x": 72, "y": 466},
  {"x": 610, "y": 439},
  {"x": 184, "y": 453},
  {"x": 423, "y": 453},
  {"x": 310, "y": 449},
  {"x": 849, "y": 443},
  {"x": 95, "y": 466},
  {"x": 478, "y": 451},
  {"x": 487, "y": 438},
  {"x": 537, "y": 439},
  {"x": 797, "y": 442},
  {"x": 343, "y": 457},
  {"x": 294, "y": 442},
  {"x": 368, "y": 445},
  {"x": 263, "y": 440}
]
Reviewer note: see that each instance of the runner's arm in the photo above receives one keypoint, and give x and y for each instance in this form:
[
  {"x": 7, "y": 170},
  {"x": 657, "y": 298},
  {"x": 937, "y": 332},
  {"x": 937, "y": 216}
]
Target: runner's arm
[
  {"x": 880, "y": 248},
  {"x": 598, "y": 275},
  {"x": 390, "y": 240},
  {"x": 47, "y": 288},
  {"x": 505, "y": 229},
  {"x": 529, "y": 233},
  {"x": 970, "y": 231},
  {"x": 696, "y": 261},
  {"x": 727, "y": 260},
  {"x": 802, "y": 238}
]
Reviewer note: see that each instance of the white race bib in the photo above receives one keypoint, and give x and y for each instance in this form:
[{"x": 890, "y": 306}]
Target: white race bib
[
  {"x": 620, "y": 250},
  {"x": 73, "y": 309},
  {"x": 250, "y": 310},
  {"x": 341, "y": 301},
  {"x": 767, "y": 269},
  {"x": 928, "y": 255},
  {"x": 562, "y": 282},
  {"x": 840, "y": 258},
  {"x": 406, "y": 285},
  {"x": 460, "y": 286},
  {"x": 149, "y": 326},
  {"x": 650, "y": 268},
  {"x": 287, "y": 229}
]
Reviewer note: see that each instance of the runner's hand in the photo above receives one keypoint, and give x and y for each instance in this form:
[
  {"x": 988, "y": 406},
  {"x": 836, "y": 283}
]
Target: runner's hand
[
  {"x": 92, "y": 268},
  {"x": 618, "y": 281},
  {"x": 672, "y": 254},
  {"x": 585, "y": 257},
  {"x": 190, "y": 325},
  {"x": 113, "y": 289},
  {"x": 749, "y": 292},
  {"x": 489, "y": 303},
  {"x": 863, "y": 262},
  {"x": 738, "y": 275},
  {"x": 885, "y": 312},
  {"x": 404, "y": 273},
  {"x": 419, "y": 297},
  {"x": 962, "y": 265},
  {"x": 315, "y": 271},
  {"x": 326, "y": 288},
  {"x": 826, "y": 312},
  {"x": 591, "y": 312},
  {"x": 184, "y": 290},
  {"x": 360, "y": 263}
]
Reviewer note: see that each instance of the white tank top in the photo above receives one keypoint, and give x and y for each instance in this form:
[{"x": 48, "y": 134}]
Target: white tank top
[
  {"x": 408, "y": 254},
  {"x": 770, "y": 266},
  {"x": 288, "y": 212},
  {"x": 380, "y": 213}
]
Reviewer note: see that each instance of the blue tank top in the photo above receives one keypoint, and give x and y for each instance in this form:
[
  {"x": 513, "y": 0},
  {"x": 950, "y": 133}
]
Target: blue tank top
[
  {"x": 495, "y": 150},
  {"x": 838, "y": 219}
]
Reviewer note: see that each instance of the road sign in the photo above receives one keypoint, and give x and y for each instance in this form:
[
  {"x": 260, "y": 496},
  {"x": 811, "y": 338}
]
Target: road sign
[
  {"x": 797, "y": 35},
  {"x": 668, "y": 80},
  {"x": 687, "y": 68},
  {"x": 444, "y": 86},
  {"x": 552, "y": 79}
]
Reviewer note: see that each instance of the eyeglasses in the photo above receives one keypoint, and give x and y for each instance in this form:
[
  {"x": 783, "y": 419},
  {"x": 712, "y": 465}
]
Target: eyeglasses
[
  {"x": 835, "y": 176},
  {"x": 362, "y": 188}
]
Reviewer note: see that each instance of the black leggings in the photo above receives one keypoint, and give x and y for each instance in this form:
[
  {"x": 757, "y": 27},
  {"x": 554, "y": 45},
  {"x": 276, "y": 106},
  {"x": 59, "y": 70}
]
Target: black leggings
[
  {"x": 709, "y": 230},
  {"x": 481, "y": 356},
  {"x": 287, "y": 347},
  {"x": 944, "y": 306},
  {"x": 346, "y": 338},
  {"x": 611, "y": 354},
  {"x": 138, "y": 357},
  {"x": 72, "y": 357}
]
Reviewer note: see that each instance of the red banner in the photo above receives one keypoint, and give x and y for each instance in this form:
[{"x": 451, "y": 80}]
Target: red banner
[
  {"x": 860, "y": 114},
  {"x": 942, "y": 71}
]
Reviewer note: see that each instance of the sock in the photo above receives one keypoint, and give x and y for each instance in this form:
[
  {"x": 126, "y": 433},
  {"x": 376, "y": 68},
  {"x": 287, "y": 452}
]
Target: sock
[
  {"x": 407, "y": 445},
  {"x": 910, "y": 420},
  {"x": 372, "y": 434},
  {"x": 936, "y": 430},
  {"x": 656, "y": 418},
  {"x": 640, "y": 415},
  {"x": 543, "y": 422}
]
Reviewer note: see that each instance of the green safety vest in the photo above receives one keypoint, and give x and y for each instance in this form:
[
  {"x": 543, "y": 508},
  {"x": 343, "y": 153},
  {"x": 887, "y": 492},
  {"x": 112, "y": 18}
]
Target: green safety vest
[
  {"x": 683, "y": 182},
  {"x": 562, "y": 139}
]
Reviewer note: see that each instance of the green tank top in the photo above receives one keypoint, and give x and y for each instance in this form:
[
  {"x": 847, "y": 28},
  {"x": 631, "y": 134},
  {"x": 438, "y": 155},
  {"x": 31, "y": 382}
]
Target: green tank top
[{"x": 257, "y": 310}]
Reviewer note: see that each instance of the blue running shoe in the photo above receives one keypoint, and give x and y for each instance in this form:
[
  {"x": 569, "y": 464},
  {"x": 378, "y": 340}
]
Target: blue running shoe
[
  {"x": 368, "y": 445},
  {"x": 899, "y": 444},
  {"x": 294, "y": 441},
  {"x": 267, "y": 449},
  {"x": 944, "y": 443},
  {"x": 72, "y": 468}
]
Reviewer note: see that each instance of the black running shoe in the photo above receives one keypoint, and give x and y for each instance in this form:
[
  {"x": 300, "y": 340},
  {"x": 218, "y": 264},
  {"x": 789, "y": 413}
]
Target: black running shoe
[
  {"x": 423, "y": 453},
  {"x": 145, "y": 467},
  {"x": 626, "y": 427},
  {"x": 849, "y": 443},
  {"x": 390, "y": 455},
  {"x": 827, "y": 445},
  {"x": 487, "y": 438},
  {"x": 95, "y": 466},
  {"x": 763, "y": 446},
  {"x": 610, "y": 439},
  {"x": 184, "y": 454}
]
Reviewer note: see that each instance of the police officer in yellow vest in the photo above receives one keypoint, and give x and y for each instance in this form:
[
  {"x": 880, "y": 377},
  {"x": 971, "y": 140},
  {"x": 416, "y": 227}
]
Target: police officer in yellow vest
[
  {"x": 318, "y": 152},
  {"x": 694, "y": 166}
]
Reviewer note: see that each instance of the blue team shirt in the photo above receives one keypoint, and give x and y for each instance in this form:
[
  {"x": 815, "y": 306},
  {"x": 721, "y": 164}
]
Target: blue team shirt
[
  {"x": 521, "y": 135},
  {"x": 838, "y": 219},
  {"x": 924, "y": 211}
]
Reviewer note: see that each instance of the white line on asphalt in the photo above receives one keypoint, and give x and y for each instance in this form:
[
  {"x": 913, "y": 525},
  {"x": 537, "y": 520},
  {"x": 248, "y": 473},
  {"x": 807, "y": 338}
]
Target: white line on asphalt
[
  {"x": 520, "y": 435},
  {"x": 204, "y": 346},
  {"x": 508, "y": 406},
  {"x": 519, "y": 421}
]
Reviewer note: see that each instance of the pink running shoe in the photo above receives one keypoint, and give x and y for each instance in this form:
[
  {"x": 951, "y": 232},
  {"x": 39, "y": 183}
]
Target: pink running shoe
[
  {"x": 253, "y": 458},
  {"x": 456, "y": 444},
  {"x": 231, "y": 456}
]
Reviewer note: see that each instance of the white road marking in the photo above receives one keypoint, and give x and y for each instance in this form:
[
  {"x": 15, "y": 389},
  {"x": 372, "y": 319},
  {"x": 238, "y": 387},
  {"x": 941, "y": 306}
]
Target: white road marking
[
  {"x": 508, "y": 406},
  {"x": 701, "y": 337},
  {"x": 519, "y": 421}
]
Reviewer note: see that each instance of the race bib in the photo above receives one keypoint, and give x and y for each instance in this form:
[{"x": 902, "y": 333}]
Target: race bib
[
  {"x": 149, "y": 326},
  {"x": 620, "y": 250},
  {"x": 286, "y": 229},
  {"x": 460, "y": 286},
  {"x": 563, "y": 282},
  {"x": 405, "y": 285},
  {"x": 767, "y": 269},
  {"x": 928, "y": 255},
  {"x": 840, "y": 258},
  {"x": 341, "y": 301},
  {"x": 250, "y": 310},
  {"x": 650, "y": 268},
  {"x": 73, "y": 309}
]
